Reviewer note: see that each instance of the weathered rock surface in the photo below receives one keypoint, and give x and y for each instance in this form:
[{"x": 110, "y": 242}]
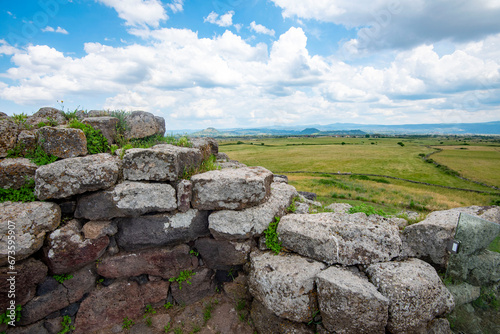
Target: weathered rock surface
[
  {"x": 47, "y": 113},
  {"x": 285, "y": 284},
  {"x": 15, "y": 172},
  {"x": 223, "y": 254},
  {"x": 349, "y": 303},
  {"x": 415, "y": 292},
  {"x": 233, "y": 189},
  {"x": 464, "y": 293},
  {"x": 30, "y": 222},
  {"x": 8, "y": 135},
  {"x": 107, "y": 126},
  {"x": 202, "y": 285},
  {"x": 62, "y": 142},
  {"x": 340, "y": 238},
  {"x": 184, "y": 194},
  {"x": 428, "y": 239},
  {"x": 206, "y": 145},
  {"x": 162, "y": 262},
  {"x": 29, "y": 274},
  {"x": 27, "y": 141},
  {"x": 67, "y": 250},
  {"x": 97, "y": 113},
  {"x": 267, "y": 323},
  {"x": 76, "y": 175},
  {"x": 99, "y": 228},
  {"x": 41, "y": 306},
  {"x": 161, "y": 230},
  {"x": 110, "y": 305},
  {"x": 143, "y": 124},
  {"x": 127, "y": 199},
  {"x": 253, "y": 221},
  {"x": 160, "y": 163},
  {"x": 339, "y": 207}
]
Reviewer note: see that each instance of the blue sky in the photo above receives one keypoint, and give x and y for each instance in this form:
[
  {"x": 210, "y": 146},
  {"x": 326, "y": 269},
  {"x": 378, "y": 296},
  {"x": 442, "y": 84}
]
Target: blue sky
[{"x": 254, "y": 63}]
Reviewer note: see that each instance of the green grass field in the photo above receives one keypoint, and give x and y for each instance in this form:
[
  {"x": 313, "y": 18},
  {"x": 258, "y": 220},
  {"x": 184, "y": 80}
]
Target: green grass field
[{"x": 382, "y": 156}]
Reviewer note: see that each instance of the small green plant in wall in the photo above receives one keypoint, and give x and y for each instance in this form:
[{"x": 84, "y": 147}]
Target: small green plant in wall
[
  {"x": 66, "y": 325},
  {"x": 127, "y": 323},
  {"x": 272, "y": 241},
  {"x": 147, "y": 314},
  {"x": 62, "y": 278},
  {"x": 10, "y": 317},
  {"x": 184, "y": 276}
]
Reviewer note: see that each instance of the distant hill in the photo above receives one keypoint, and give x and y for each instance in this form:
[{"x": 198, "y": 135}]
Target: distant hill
[
  {"x": 352, "y": 129},
  {"x": 309, "y": 131}
]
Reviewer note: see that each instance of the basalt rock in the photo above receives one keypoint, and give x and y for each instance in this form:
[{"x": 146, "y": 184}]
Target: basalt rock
[
  {"x": 127, "y": 199},
  {"x": 233, "y": 189},
  {"x": 76, "y": 175},
  {"x": 62, "y": 142},
  {"x": 15, "y": 173},
  {"x": 340, "y": 238},
  {"x": 27, "y": 223},
  {"x": 273, "y": 277}
]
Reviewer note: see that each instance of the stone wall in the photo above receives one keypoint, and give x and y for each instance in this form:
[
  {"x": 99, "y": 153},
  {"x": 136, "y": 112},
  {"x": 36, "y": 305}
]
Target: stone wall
[{"x": 128, "y": 230}]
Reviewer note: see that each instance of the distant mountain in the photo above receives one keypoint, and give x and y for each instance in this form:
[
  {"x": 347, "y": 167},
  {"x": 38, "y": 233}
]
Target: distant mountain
[{"x": 352, "y": 129}]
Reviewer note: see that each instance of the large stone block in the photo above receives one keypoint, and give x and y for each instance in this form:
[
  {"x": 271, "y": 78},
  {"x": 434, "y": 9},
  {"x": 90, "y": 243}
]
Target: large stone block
[
  {"x": 127, "y": 199},
  {"x": 62, "y": 142},
  {"x": 29, "y": 274},
  {"x": 76, "y": 175},
  {"x": 162, "y": 262},
  {"x": 415, "y": 292},
  {"x": 161, "y": 230},
  {"x": 67, "y": 250},
  {"x": 244, "y": 224},
  {"x": 340, "y": 238},
  {"x": 110, "y": 305},
  {"x": 428, "y": 239},
  {"x": 107, "y": 126},
  {"x": 223, "y": 254},
  {"x": 285, "y": 284},
  {"x": 27, "y": 223},
  {"x": 144, "y": 124},
  {"x": 8, "y": 135},
  {"x": 15, "y": 172},
  {"x": 160, "y": 163},
  {"x": 343, "y": 296},
  {"x": 232, "y": 189}
]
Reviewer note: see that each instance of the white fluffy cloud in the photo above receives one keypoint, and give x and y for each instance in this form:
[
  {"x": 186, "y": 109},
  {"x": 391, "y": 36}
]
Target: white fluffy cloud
[
  {"x": 140, "y": 12},
  {"x": 260, "y": 29},
  {"x": 225, "y": 20},
  {"x": 400, "y": 24},
  {"x": 226, "y": 82}
]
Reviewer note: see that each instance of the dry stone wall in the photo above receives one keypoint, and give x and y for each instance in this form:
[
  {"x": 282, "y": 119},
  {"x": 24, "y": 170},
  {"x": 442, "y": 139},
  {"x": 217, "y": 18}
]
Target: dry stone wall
[{"x": 126, "y": 229}]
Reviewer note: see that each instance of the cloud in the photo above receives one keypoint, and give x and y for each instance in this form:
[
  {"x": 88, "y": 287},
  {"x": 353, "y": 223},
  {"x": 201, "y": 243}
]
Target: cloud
[
  {"x": 225, "y": 20},
  {"x": 7, "y": 49},
  {"x": 140, "y": 12},
  {"x": 176, "y": 6},
  {"x": 260, "y": 29},
  {"x": 58, "y": 30},
  {"x": 225, "y": 81},
  {"x": 386, "y": 24}
]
